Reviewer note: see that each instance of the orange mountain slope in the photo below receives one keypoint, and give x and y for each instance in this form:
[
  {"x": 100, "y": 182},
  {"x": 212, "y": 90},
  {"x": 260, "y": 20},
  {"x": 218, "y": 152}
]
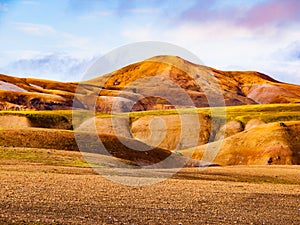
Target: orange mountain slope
[{"x": 160, "y": 82}]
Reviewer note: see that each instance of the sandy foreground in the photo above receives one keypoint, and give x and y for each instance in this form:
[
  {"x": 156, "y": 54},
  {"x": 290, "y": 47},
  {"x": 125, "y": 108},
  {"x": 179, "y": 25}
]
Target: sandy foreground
[{"x": 37, "y": 194}]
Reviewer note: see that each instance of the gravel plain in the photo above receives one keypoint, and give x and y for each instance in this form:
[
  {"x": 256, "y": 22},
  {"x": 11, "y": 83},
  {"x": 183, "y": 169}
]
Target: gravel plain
[{"x": 37, "y": 194}]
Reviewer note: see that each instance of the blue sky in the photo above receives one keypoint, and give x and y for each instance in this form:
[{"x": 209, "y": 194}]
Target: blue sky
[{"x": 58, "y": 39}]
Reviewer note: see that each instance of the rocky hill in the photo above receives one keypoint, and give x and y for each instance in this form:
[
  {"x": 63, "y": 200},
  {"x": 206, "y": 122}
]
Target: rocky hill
[{"x": 162, "y": 82}]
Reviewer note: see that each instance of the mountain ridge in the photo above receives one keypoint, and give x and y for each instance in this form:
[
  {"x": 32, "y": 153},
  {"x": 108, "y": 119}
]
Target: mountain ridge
[{"x": 160, "y": 82}]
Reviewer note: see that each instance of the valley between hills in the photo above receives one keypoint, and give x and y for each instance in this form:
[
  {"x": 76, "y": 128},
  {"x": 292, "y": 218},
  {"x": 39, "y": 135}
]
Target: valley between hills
[{"x": 228, "y": 140}]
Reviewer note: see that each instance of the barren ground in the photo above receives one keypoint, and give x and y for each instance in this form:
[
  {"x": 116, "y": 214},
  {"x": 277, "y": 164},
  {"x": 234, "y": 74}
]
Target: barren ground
[{"x": 46, "y": 193}]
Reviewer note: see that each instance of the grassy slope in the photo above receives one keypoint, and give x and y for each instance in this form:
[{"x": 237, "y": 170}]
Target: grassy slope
[
  {"x": 49, "y": 118},
  {"x": 51, "y": 157},
  {"x": 266, "y": 112},
  {"x": 62, "y": 139}
]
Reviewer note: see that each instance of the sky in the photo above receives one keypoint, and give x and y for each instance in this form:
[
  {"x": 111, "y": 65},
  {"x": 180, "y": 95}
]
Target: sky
[{"x": 59, "y": 39}]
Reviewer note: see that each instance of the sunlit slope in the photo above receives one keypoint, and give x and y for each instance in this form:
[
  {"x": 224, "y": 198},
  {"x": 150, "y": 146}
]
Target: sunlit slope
[
  {"x": 273, "y": 143},
  {"x": 161, "y": 82},
  {"x": 203, "y": 85}
]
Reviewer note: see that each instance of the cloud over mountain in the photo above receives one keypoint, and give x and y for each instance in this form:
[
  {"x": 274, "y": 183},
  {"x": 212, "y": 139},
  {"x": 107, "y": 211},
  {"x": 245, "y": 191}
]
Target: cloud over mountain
[{"x": 49, "y": 66}]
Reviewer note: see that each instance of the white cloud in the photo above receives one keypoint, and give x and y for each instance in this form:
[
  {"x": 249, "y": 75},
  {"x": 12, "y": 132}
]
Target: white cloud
[
  {"x": 49, "y": 65},
  {"x": 21, "y": 54},
  {"x": 225, "y": 46},
  {"x": 286, "y": 71},
  {"x": 35, "y": 29},
  {"x": 67, "y": 40},
  {"x": 74, "y": 41},
  {"x": 221, "y": 44}
]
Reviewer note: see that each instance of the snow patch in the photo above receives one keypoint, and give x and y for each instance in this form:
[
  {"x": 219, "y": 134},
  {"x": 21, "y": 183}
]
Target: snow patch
[
  {"x": 10, "y": 87},
  {"x": 36, "y": 86}
]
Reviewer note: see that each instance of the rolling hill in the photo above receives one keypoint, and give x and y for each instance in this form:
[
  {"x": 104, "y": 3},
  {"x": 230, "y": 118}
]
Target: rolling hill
[{"x": 266, "y": 144}]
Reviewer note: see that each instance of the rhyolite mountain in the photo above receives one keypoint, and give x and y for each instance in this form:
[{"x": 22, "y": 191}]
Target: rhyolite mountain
[{"x": 161, "y": 82}]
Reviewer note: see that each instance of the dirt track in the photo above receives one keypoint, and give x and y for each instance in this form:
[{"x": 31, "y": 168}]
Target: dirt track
[{"x": 33, "y": 194}]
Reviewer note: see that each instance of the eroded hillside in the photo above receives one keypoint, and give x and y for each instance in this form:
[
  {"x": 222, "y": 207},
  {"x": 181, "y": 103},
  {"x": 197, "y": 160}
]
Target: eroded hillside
[{"x": 161, "y": 82}]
